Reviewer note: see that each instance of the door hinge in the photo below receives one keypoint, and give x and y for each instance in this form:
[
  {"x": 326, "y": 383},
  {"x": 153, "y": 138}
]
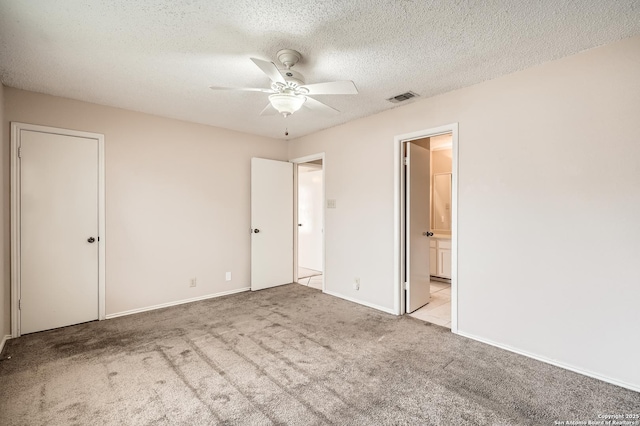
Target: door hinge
[
  {"x": 405, "y": 161},
  {"x": 19, "y": 304},
  {"x": 404, "y": 285},
  {"x": 19, "y": 152}
]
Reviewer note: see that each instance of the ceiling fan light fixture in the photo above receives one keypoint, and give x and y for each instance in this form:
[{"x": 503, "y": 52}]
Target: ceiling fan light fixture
[{"x": 286, "y": 103}]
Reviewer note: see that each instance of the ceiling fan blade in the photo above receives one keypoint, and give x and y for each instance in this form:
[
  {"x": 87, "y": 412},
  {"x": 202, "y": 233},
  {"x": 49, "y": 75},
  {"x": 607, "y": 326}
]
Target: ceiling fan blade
[
  {"x": 317, "y": 106},
  {"x": 243, "y": 89},
  {"x": 269, "y": 110},
  {"x": 345, "y": 87},
  {"x": 270, "y": 69}
]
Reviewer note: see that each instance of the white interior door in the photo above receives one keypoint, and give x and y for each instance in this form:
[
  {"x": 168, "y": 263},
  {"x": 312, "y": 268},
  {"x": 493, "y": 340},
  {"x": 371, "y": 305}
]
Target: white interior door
[
  {"x": 271, "y": 223},
  {"x": 417, "y": 227},
  {"x": 58, "y": 217},
  {"x": 310, "y": 207}
]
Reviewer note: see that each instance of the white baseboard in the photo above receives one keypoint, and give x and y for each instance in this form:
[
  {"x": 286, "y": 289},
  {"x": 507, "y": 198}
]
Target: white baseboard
[
  {"x": 552, "y": 362},
  {"x": 3, "y": 341},
  {"x": 360, "y": 302},
  {"x": 178, "y": 302}
]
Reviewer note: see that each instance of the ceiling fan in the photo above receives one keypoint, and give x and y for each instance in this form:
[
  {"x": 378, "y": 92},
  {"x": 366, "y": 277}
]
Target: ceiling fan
[{"x": 288, "y": 91}]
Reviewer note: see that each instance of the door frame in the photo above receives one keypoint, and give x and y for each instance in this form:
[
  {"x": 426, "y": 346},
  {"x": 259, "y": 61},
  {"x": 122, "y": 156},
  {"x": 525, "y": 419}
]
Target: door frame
[
  {"x": 296, "y": 162},
  {"x": 16, "y": 128},
  {"x": 399, "y": 210}
]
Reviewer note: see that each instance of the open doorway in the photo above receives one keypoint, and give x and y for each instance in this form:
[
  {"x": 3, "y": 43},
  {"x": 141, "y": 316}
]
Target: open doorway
[
  {"x": 309, "y": 212},
  {"x": 426, "y": 217},
  {"x": 438, "y": 309}
]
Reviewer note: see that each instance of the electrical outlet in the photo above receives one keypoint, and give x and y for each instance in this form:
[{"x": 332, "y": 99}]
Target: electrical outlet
[
  {"x": 356, "y": 283},
  {"x": 194, "y": 282},
  {"x": 228, "y": 276}
]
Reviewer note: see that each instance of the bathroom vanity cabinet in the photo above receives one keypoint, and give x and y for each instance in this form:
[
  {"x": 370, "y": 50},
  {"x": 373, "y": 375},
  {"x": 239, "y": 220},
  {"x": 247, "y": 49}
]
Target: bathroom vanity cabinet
[{"x": 440, "y": 257}]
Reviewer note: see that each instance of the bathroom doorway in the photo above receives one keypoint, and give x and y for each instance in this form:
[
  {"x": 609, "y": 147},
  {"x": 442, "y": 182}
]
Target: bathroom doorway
[
  {"x": 426, "y": 215},
  {"x": 438, "y": 309}
]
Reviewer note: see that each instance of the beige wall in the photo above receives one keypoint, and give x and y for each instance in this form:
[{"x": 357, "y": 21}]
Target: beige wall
[
  {"x": 5, "y": 314},
  {"x": 440, "y": 161},
  {"x": 177, "y": 198},
  {"x": 549, "y": 203}
]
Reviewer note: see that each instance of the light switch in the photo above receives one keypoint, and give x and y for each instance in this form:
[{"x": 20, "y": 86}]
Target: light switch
[{"x": 331, "y": 204}]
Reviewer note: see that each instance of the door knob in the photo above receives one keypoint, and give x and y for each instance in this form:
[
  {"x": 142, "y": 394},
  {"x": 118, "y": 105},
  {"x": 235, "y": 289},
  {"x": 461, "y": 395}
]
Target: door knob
[
  {"x": 91, "y": 239},
  {"x": 428, "y": 234},
  {"x": 256, "y": 231}
]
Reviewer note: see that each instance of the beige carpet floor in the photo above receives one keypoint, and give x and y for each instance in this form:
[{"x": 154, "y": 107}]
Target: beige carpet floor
[{"x": 288, "y": 355}]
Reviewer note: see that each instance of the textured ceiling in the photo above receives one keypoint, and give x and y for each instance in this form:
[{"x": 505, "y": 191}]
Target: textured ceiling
[{"x": 160, "y": 56}]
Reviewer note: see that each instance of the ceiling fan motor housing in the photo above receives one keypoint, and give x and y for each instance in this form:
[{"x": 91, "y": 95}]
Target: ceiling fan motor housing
[{"x": 292, "y": 76}]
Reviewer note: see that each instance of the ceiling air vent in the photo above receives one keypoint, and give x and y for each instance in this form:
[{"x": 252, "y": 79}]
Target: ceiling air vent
[{"x": 402, "y": 97}]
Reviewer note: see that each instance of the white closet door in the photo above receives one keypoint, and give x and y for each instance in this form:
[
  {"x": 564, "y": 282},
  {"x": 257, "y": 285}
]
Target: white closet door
[{"x": 59, "y": 230}]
